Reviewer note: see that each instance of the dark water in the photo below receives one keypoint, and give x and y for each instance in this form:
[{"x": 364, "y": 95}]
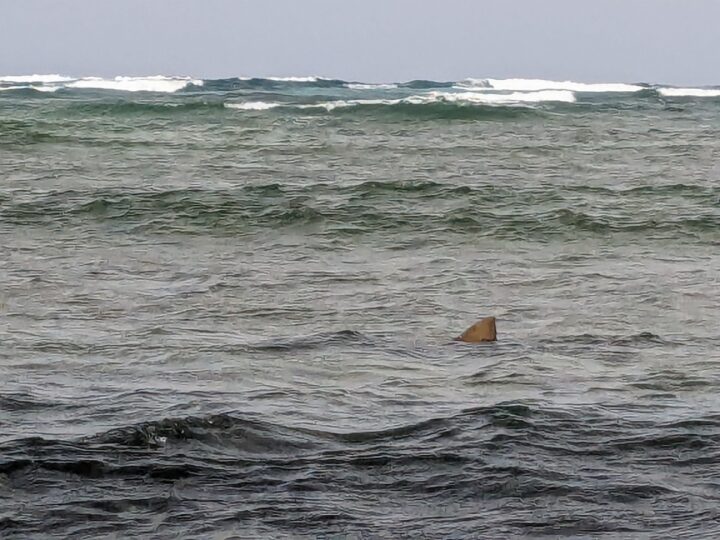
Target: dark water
[{"x": 227, "y": 311}]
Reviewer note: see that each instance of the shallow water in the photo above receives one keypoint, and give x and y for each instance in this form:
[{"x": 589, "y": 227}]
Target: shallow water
[{"x": 223, "y": 322}]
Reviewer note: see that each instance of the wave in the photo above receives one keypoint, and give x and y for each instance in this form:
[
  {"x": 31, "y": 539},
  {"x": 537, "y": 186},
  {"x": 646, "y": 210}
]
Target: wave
[
  {"x": 533, "y": 85},
  {"x": 35, "y": 78},
  {"x": 534, "y": 423},
  {"x": 364, "y": 209},
  {"x": 310, "y": 342},
  {"x": 155, "y": 83},
  {"x": 563, "y": 96},
  {"x": 689, "y": 92},
  {"x": 310, "y": 79},
  {"x": 421, "y": 84},
  {"x": 460, "y": 98},
  {"x": 20, "y": 402},
  {"x": 29, "y": 87},
  {"x": 492, "y": 456},
  {"x": 121, "y": 107},
  {"x": 471, "y": 90},
  {"x": 368, "y": 86},
  {"x": 253, "y": 106}
]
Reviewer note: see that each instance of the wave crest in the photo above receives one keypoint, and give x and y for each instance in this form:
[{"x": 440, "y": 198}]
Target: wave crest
[
  {"x": 35, "y": 78},
  {"x": 52, "y": 83},
  {"x": 534, "y": 85},
  {"x": 689, "y": 92},
  {"x": 431, "y": 98},
  {"x": 231, "y": 211},
  {"x": 253, "y": 106},
  {"x": 158, "y": 83}
]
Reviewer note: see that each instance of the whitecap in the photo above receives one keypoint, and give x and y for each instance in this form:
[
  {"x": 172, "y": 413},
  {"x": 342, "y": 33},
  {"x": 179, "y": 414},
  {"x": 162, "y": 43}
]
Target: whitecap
[
  {"x": 35, "y": 78},
  {"x": 156, "y": 83},
  {"x": 296, "y": 79},
  {"x": 530, "y": 85},
  {"x": 469, "y": 98},
  {"x": 364, "y": 86},
  {"x": 689, "y": 92},
  {"x": 27, "y": 86},
  {"x": 253, "y": 105},
  {"x": 565, "y": 96}
]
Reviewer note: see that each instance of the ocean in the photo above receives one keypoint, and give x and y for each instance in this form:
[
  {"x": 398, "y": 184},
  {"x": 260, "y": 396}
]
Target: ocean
[{"x": 228, "y": 309}]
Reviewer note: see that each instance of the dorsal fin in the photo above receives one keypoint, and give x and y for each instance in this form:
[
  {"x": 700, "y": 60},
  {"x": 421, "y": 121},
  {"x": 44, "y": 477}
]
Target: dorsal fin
[{"x": 483, "y": 330}]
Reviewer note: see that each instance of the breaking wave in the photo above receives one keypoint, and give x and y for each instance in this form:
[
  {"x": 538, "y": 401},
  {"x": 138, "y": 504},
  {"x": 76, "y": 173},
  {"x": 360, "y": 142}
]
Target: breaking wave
[
  {"x": 534, "y": 85},
  {"x": 253, "y": 106},
  {"x": 431, "y": 98},
  {"x": 30, "y": 87},
  {"x": 35, "y": 79},
  {"x": 689, "y": 92},
  {"x": 363, "y": 86},
  {"x": 467, "y": 91},
  {"x": 310, "y": 79},
  {"x": 136, "y": 84},
  {"x": 155, "y": 83},
  {"x": 461, "y": 98}
]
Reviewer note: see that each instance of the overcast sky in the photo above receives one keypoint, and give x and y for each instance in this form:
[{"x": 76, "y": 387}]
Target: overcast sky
[{"x": 669, "y": 41}]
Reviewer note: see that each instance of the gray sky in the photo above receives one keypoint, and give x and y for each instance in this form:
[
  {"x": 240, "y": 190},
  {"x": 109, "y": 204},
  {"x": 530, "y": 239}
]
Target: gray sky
[{"x": 669, "y": 41}]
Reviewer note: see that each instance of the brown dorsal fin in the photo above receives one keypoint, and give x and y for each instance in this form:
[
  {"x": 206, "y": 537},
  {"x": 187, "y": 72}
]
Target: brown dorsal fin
[{"x": 483, "y": 330}]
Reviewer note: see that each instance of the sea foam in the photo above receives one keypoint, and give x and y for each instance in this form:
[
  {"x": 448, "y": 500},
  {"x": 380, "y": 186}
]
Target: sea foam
[
  {"x": 253, "y": 106},
  {"x": 297, "y": 79},
  {"x": 565, "y": 96},
  {"x": 531, "y": 85},
  {"x": 157, "y": 83},
  {"x": 29, "y": 87},
  {"x": 689, "y": 92},
  {"x": 35, "y": 78},
  {"x": 461, "y": 98},
  {"x": 368, "y": 86}
]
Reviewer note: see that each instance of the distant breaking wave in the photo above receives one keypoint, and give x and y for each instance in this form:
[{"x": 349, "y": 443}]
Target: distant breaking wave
[
  {"x": 365, "y": 86},
  {"x": 689, "y": 92},
  {"x": 35, "y": 79},
  {"x": 135, "y": 84},
  {"x": 30, "y": 87},
  {"x": 466, "y": 98},
  {"x": 314, "y": 92},
  {"x": 253, "y": 106},
  {"x": 530, "y": 85},
  {"x": 310, "y": 79},
  {"x": 52, "y": 83}
]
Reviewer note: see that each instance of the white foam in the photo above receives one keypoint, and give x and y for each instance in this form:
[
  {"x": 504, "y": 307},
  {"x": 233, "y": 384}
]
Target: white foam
[
  {"x": 469, "y": 98},
  {"x": 331, "y": 105},
  {"x": 296, "y": 79},
  {"x": 46, "y": 88},
  {"x": 689, "y": 92},
  {"x": 531, "y": 85},
  {"x": 565, "y": 96},
  {"x": 27, "y": 86},
  {"x": 363, "y": 86},
  {"x": 157, "y": 83},
  {"x": 253, "y": 105},
  {"x": 35, "y": 78}
]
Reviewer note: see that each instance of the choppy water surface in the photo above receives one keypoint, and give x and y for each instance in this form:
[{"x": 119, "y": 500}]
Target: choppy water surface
[{"x": 227, "y": 309}]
